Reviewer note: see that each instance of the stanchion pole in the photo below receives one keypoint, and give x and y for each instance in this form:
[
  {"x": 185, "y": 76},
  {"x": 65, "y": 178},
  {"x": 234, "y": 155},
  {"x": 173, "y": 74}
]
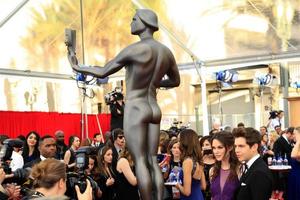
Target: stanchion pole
[{"x": 99, "y": 127}]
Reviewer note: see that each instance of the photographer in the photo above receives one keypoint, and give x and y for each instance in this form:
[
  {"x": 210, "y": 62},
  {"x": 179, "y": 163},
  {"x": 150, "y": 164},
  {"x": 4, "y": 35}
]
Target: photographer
[
  {"x": 275, "y": 119},
  {"x": 47, "y": 149},
  {"x": 117, "y": 110},
  {"x": 3, "y": 193},
  {"x": 50, "y": 181},
  {"x": 84, "y": 170},
  {"x": 8, "y": 191}
]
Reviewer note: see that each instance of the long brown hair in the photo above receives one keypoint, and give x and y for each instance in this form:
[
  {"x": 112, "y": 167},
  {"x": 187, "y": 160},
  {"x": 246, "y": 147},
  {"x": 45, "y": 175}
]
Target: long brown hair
[
  {"x": 171, "y": 144},
  {"x": 101, "y": 166},
  {"x": 189, "y": 145},
  {"x": 227, "y": 140},
  {"x": 126, "y": 154}
]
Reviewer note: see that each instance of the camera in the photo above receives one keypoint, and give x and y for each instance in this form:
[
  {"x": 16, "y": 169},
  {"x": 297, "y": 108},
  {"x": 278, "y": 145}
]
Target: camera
[
  {"x": 273, "y": 114},
  {"x": 79, "y": 177},
  {"x": 207, "y": 151},
  {"x": 113, "y": 96},
  {"x": 177, "y": 127},
  {"x": 6, "y": 152}
]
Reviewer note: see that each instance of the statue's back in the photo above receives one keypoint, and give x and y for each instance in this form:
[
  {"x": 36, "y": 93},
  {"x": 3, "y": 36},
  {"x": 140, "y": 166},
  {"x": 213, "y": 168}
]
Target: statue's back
[{"x": 145, "y": 72}]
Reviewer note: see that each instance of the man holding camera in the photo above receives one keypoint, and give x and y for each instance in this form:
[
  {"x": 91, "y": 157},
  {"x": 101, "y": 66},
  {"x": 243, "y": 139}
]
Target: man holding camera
[
  {"x": 10, "y": 191},
  {"x": 117, "y": 111},
  {"x": 275, "y": 119}
]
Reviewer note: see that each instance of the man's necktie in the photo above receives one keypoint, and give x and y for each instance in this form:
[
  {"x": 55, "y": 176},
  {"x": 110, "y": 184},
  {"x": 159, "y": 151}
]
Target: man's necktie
[{"x": 245, "y": 168}]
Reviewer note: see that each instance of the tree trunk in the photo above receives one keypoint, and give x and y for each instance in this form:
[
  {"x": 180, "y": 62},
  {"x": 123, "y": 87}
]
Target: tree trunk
[
  {"x": 8, "y": 96},
  {"x": 50, "y": 97}
]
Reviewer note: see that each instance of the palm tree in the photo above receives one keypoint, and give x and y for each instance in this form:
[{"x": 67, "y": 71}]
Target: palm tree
[{"x": 103, "y": 21}]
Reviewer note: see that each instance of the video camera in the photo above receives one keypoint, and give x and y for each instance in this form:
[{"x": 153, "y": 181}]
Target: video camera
[
  {"x": 177, "y": 127},
  {"x": 79, "y": 177},
  {"x": 273, "y": 114},
  {"x": 6, "y": 152},
  {"x": 207, "y": 152},
  {"x": 113, "y": 96}
]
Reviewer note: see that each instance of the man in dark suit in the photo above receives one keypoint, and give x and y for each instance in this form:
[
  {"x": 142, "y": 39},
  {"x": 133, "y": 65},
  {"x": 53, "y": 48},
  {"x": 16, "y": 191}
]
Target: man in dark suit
[
  {"x": 61, "y": 147},
  {"x": 117, "y": 111},
  {"x": 98, "y": 141},
  {"x": 118, "y": 143},
  {"x": 47, "y": 148},
  {"x": 256, "y": 180},
  {"x": 283, "y": 145}
]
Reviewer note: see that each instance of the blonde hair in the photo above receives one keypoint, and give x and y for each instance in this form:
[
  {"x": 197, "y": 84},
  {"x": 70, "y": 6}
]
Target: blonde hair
[
  {"x": 47, "y": 173},
  {"x": 273, "y": 136},
  {"x": 298, "y": 129}
]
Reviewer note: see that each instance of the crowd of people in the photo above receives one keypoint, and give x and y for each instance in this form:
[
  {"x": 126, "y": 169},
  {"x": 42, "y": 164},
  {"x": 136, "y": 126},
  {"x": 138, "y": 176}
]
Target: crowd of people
[
  {"x": 224, "y": 165},
  {"x": 236, "y": 164}
]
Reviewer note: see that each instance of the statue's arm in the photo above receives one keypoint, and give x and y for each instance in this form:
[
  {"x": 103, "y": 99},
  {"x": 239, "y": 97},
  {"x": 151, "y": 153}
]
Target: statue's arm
[
  {"x": 173, "y": 77},
  {"x": 100, "y": 72}
]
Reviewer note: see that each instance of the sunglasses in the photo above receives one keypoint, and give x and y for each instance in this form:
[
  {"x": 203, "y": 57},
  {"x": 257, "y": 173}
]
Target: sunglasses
[{"x": 121, "y": 137}]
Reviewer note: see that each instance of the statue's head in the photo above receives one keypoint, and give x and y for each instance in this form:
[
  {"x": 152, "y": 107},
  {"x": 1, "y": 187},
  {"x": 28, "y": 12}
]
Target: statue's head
[{"x": 144, "y": 18}]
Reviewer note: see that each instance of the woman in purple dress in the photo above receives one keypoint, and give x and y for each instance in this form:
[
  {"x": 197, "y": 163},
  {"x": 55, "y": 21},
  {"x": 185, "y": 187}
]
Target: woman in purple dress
[{"x": 223, "y": 175}]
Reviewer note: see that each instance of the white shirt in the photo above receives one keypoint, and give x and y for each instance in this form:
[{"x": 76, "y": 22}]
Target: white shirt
[
  {"x": 96, "y": 144},
  {"x": 17, "y": 161},
  {"x": 274, "y": 122},
  {"x": 252, "y": 160},
  {"x": 42, "y": 158},
  {"x": 284, "y": 136},
  {"x": 118, "y": 149}
]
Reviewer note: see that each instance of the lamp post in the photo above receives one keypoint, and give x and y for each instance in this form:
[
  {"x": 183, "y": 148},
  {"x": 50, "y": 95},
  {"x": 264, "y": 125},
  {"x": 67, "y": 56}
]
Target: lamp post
[{"x": 224, "y": 79}]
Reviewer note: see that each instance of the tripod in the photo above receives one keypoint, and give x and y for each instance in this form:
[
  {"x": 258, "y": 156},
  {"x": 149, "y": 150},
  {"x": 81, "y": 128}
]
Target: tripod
[{"x": 84, "y": 117}]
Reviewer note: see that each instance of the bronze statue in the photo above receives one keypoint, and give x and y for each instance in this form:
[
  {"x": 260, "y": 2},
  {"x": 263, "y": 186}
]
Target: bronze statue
[{"x": 149, "y": 66}]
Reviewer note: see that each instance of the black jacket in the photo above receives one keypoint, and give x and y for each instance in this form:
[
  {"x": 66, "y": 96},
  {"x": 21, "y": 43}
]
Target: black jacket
[
  {"x": 115, "y": 159},
  {"x": 31, "y": 163},
  {"x": 256, "y": 183},
  {"x": 61, "y": 149},
  {"x": 282, "y": 147},
  {"x": 116, "y": 120},
  {"x": 3, "y": 196}
]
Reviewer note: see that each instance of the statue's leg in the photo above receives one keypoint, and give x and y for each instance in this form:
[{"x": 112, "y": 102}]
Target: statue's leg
[
  {"x": 156, "y": 174},
  {"x": 135, "y": 131}
]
